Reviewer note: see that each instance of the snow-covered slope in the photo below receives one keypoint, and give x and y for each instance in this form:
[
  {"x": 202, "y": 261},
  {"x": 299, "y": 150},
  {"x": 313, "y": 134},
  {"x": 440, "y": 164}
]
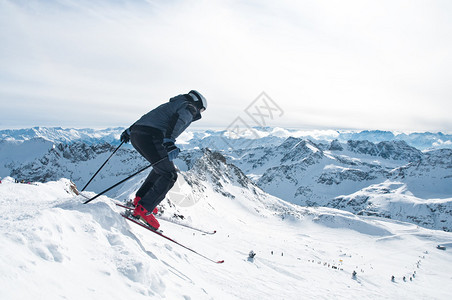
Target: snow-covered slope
[{"x": 54, "y": 247}]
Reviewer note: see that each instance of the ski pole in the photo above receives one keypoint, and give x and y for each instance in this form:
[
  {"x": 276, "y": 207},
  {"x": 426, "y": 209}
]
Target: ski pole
[
  {"x": 102, "y": 166},
  {"x": 124, "y": 180}
]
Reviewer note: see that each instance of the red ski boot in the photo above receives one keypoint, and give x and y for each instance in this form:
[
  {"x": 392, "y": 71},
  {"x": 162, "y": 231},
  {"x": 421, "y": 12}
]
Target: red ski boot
[
  {"x": 146, "y": 216},
  {"x": 137, "y": 199}
]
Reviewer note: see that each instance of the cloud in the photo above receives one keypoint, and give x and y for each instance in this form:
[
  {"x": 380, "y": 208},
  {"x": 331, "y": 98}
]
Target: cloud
[{"x": 348, "y": 64}]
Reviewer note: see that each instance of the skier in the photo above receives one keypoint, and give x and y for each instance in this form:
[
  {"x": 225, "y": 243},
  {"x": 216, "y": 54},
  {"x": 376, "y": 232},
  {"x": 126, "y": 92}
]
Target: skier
[
  {"x": 251, "y": 256},
  {"x": 154, "y": 136}
]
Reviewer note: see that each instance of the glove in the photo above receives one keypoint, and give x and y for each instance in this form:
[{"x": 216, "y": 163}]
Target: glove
[
  {"x": 125, "y": 136},
  {"x": 172, "y": 150}
]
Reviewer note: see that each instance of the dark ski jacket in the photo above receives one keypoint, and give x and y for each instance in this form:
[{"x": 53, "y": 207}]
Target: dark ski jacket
[{"x": 173, "y": 117}]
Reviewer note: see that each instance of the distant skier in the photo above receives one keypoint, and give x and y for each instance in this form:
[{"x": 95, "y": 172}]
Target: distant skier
[
  {"x": 153, "y": 136},
  {"x": 251, "y": 256}
]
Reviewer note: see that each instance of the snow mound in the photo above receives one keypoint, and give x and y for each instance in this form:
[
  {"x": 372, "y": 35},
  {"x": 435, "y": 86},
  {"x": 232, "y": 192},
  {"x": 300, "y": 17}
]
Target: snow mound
[{"x": 90, "y": 246}]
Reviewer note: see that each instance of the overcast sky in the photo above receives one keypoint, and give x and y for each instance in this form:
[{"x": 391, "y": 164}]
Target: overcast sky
[{"x": 326, "y": 64}]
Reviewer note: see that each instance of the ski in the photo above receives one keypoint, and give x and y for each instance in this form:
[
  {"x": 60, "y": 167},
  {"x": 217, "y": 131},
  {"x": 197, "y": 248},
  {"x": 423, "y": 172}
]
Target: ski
[
  {"x": 172, "y": 221},
  {"x": 168, "y": 238}
]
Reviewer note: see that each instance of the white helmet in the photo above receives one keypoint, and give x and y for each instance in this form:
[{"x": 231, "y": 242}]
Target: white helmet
[{"x": 199, "y": 100}]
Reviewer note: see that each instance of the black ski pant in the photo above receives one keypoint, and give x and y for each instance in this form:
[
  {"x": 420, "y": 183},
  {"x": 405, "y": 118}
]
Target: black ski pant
[{"x": 148, "y": 142}]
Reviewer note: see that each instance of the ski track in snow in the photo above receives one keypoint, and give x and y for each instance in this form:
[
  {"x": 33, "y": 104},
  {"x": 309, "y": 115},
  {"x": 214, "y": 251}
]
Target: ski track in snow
[{"x": 54, "y": 247}]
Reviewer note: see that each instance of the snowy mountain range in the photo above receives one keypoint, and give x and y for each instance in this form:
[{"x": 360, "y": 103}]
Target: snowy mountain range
[
  {"x": 218, "y": 139},
  {"x": 418, "y": 185},
  {"x": 389, "y": 179}
]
